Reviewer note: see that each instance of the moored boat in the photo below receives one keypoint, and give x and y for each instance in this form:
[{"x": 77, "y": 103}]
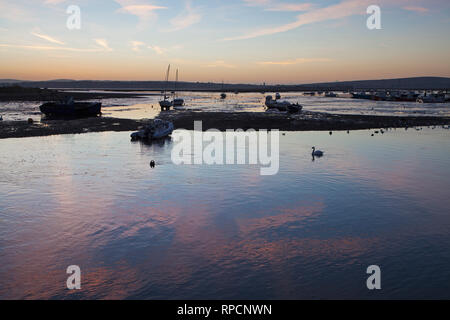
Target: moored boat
[
  {"x": 177, "y": 103},
  {"x": 70, "y": 108},
  {"x": 165, "y": 104},
  {"x": 360, "y": 95},
  {"x": 157, "y": 129},
  {"x": 431, "y": 98},
  {"x": 282, "y": 105}
]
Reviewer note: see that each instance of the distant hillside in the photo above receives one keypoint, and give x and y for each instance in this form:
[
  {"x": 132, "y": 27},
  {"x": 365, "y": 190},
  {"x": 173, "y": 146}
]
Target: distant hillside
[
  {"x": 439, "y": 83},
  {"x": 401, "y": 83},
  {"x": 10, "y": 81}
]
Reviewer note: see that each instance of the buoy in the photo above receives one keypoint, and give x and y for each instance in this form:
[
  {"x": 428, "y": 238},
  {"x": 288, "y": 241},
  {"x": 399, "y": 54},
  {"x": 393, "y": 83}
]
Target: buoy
[{"x": 152, "y": 164}]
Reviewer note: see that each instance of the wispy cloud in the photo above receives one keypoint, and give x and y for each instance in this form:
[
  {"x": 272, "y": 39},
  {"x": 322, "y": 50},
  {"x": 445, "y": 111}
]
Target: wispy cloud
[
  {"x": 270, "y": 5},
  {"x": 158, "y": 49},
  {"x": 290, "y": 7},
  {"x": 14, "y": 12},
  {"x": 341, "y": 10},
  {"x": 185, "y": 19},
  {"x": 53, "y": 1},
  {"x": 144, "y": 11},
  {"x": 136, "y": 45},
  {"x": 256, "y": 3},
  {"x": 220, "y": 64},
  {"x": 416, "y": 9},
  {"x": 50, "y": 48},
  {"x": 295, "y": 61},
  {"x": 140, "y": 46},
  {"x": 46, "y": 37},
  {"x": 103, "y": 43}
]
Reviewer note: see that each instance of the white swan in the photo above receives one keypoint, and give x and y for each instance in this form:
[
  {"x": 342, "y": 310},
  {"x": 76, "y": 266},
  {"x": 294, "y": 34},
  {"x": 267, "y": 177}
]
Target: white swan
[{"x": 316, "y": 153}]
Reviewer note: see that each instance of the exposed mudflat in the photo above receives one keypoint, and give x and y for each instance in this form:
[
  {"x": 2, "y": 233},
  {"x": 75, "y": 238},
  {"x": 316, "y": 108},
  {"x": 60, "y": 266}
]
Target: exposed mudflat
[
  {"x": 19, "y": 129},
  {"x": 304, "y": 121}
]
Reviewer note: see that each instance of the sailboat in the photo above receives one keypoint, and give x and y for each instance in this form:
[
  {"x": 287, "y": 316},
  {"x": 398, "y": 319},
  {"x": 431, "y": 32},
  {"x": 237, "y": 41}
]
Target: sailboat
[
  {"x": 177, "y": 102},
  {"x": 166, "y": 103}
]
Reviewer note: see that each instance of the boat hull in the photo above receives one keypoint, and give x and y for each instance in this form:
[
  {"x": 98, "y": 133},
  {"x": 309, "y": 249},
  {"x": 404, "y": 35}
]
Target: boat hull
[
  {"x": 77, "y": 109},
  {"x": 157, "y": 130},
  {"x": 178, "y": 102}
]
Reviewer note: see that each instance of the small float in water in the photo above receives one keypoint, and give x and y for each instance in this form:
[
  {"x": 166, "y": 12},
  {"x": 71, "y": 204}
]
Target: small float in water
[
  {"x": 70, "y": 108},
  {"x": 157, "y": 129},
  {"x": 282, "y": 105}
]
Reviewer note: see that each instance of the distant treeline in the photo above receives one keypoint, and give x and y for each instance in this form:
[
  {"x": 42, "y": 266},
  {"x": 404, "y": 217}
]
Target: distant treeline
[{"x": 418, "y": 83}]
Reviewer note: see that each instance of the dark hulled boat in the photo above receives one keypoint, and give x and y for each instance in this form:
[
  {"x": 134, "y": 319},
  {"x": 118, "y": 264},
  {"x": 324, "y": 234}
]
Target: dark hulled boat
[{"x": 69, "y": 108}]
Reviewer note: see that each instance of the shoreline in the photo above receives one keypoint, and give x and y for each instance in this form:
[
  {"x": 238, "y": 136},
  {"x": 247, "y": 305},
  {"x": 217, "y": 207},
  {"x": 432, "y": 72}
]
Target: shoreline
[
  {"x": 43, "y": 95},
  {"x": 305, "y": 121}
]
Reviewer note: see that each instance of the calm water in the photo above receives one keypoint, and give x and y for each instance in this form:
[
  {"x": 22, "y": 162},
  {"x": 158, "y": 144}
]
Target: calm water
[
  {"x": 147, "y": 106},
  {"x": 225, "y": 231}
]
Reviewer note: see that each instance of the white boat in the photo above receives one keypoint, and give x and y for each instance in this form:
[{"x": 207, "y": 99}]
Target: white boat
[
  {"x": 282, "y": 105},
  {"x": 157, "y": 129},
  {"x": 166, "y": 103}
]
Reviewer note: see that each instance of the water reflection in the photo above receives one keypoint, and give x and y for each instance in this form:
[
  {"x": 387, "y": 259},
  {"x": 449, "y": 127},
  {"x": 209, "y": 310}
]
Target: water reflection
[{"x": 225, "y": 231}]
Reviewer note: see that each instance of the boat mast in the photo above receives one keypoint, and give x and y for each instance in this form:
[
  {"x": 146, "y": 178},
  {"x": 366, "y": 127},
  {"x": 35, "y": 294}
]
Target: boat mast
[
  {"x": 167, "y": 82},
  {"x": 175, "y": 87}
]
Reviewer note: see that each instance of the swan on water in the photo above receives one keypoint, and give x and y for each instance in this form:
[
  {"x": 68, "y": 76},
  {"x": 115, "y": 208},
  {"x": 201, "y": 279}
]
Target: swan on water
[{"x": 316, "y": 153}]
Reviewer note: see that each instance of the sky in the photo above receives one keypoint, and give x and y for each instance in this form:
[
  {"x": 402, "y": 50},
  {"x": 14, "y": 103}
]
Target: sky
[{"x": 235, "y": 41}]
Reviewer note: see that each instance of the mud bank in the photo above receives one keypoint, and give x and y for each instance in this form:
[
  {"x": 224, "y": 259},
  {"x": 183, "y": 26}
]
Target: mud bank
[
  {"x": 21, "y": 129},
  {"x": 305, "y": 121}
]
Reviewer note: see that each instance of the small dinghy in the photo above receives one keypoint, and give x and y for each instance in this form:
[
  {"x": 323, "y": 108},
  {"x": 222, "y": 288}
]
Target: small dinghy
[
  {"x": 157, "y": 129},
  {"x": 69, "y": 108},
  {"x": 178, "y": 103}
]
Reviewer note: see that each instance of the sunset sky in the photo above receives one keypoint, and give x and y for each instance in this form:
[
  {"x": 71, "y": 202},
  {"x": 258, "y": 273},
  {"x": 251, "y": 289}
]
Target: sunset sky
[{"x": 250, "y": 41}]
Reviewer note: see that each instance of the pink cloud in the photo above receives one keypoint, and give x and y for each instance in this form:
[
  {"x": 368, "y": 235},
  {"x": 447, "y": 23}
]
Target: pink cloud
[{"x": 417, "y": 9}]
